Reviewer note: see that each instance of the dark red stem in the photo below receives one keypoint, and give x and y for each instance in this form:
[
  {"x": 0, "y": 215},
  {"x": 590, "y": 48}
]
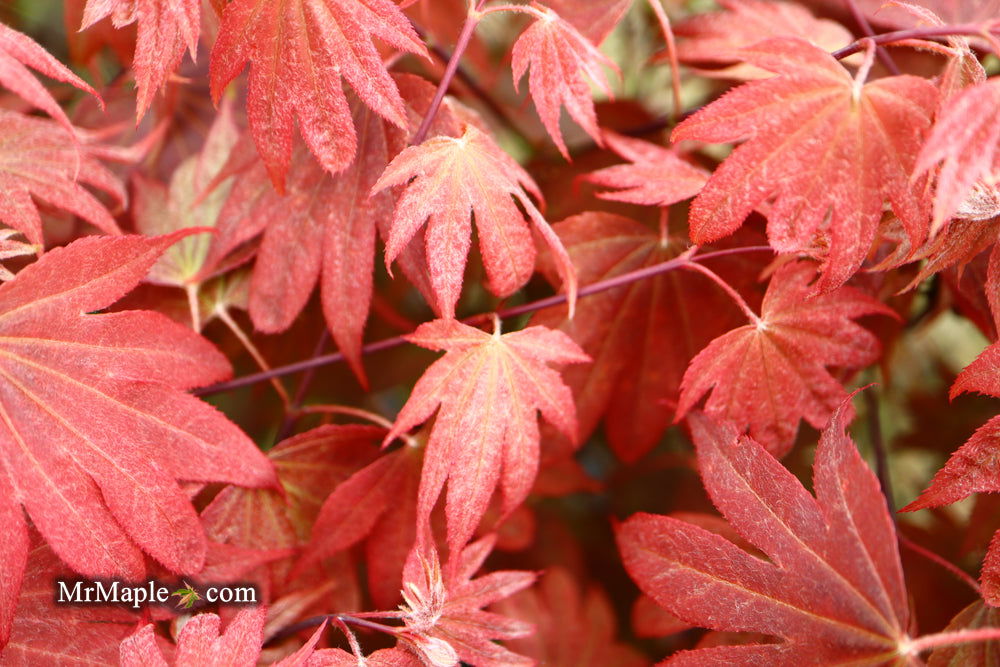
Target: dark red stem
[
  {"x": 468, "y": 28},
  {"x": 556, "y": 300},
  {"x": 963, "y": 29},
  {"x": 866, "y": 28}
]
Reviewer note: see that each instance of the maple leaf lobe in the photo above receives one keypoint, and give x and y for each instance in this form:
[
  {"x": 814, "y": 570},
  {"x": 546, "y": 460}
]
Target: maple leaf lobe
[
  {"x": 833, "y": 588},
  {"x": 96, "y": 430},
  {"x": 299, "y": 53},
  {"x": 486, "y": 390},
  {"x": 821, "y": 151}
]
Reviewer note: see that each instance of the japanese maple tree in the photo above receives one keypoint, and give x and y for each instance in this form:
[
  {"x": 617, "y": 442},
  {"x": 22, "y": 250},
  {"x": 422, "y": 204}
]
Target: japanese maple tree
[{"x": 499, "y": 332}]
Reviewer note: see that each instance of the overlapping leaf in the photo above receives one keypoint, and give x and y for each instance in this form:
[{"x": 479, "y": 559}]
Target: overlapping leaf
[
  {"x": 717, "y": 38},
  {"x": 325, "y": 228},
  {"x": 966, "y": 142},
  {"x": 767, "y": 375},
  {"x": 41, "y": 159},
  {"x": 572, "y": 629},
  {"x": 448, "y": 180},
  {"x": 309, "y": 465},
  {"x": 824, "y": 149},
  {"x": 299, "y": 53},
  {"x": 486, "y": 391},
  {"x": 45, "y": 633},
  {"x": 559, "y": 58},
  {"x": 188, "y": 201},
  {"x": 638, "y": 335},
  {"x": 94, "y": 428},
  {"x": 165, "y": 29},
  {"x": 444, "y": 614},
  {"x": 376, "y": 504},
  {"x": 833, "y": 589},
  {"x": 18, "y": 52},
  {"x": 201, "y": 644}
]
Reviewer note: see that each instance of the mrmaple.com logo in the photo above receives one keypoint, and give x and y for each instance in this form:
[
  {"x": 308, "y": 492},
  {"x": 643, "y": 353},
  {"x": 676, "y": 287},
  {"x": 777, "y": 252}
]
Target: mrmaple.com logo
[{"x": 115, "y": 592}]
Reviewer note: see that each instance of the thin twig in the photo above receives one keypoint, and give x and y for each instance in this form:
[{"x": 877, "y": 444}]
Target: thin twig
[
  {"x": 878, "y": 444},
  {"x": 956, "y": 571},
  {"x": 866, "y": 28},
  {"x": 888, "y": 38},
  {"x": 556, "y": 300},
  {"x": 495, "y": 108},
  {"x": 223, "y": 314},
  {"x": 927, "y": 642},
  {"x": 464, "y": 37},
  {"x": 300, "y": 392},
  {"x": 668, "y": 36}
]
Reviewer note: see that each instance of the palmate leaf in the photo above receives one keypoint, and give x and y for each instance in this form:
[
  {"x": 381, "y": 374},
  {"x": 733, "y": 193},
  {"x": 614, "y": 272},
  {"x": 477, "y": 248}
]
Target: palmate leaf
[
  {"x": 443, "y": 611},
  {"x": 638, "y": 335},
  {"x": 824, "y": 149},
  {"x": 833, "y": 589},
  {"x": 299, "y": 52},
  {"x": 41, "y": 159},
  {"x": 95, "y": 429},
  {"x": 559, "y": 57},
  {"x": 486, "y": 391},
  {"x": 767, "y": 376},
  {"x": 717, "y": 38},
  {"x": 448, "y": 180},
  {"x": 165, "y": 29}
]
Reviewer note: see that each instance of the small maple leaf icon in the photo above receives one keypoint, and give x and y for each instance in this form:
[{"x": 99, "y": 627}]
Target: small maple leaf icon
[{"x": 188, "y": 596}]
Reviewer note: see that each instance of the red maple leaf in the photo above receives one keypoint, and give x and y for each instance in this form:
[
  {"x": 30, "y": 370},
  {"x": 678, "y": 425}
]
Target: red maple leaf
[
  {"x": 17, "y": 53},
  {"x": 636, "y": 334},
  {"x": 40, "y": 158},
  {"x": 767, "y": 375},
  {"x": 965, "y": 140},
  {"x": 443, "y": 611},
  {"x": 974, "y": 467},
  {"x": 165, "y": 29},
  {"x": 95, "y": 429},
  {"x": 559, "y": 57},
  {"x": 825, "y": 149},
  {"x": 717, "y": 38},
  {"x": 448, "y": 180},
  {"x": 486, "y": 391},
  {"x": 833, "y": 589},
  {"x": 299, "y": 52}
]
